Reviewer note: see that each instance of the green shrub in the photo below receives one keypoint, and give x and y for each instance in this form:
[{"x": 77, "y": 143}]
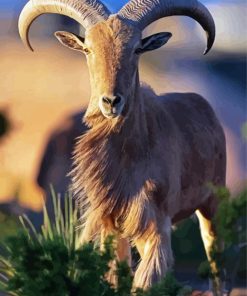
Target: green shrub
[
  {"x": 9, "y": 225},
  {"x": 51, "y": 263},
  {"x": 231, "y": 227}
]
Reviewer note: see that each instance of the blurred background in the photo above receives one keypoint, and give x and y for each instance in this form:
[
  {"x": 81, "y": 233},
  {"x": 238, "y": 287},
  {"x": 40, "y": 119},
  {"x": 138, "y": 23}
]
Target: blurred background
[{"x": 43, "y": 96}]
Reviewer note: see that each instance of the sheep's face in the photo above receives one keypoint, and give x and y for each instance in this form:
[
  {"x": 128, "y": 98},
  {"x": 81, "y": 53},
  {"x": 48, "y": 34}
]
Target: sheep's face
[
  {"x": 112, "y": 48},
  {"x": 112, "y": 63}
]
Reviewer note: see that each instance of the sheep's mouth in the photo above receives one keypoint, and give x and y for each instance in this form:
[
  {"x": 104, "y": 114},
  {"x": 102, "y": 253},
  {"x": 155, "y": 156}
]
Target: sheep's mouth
[
  {"x": 111, "y": 115},
  {"x": 112, "y": 112}
]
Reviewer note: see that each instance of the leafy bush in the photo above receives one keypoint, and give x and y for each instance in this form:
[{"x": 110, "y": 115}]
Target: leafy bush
[
  {"x": 9, "y": 225},
  {"x": 231, "y": 227},
  {"x": 51, "y": 263},
  {"x": 48, "y": 267}
]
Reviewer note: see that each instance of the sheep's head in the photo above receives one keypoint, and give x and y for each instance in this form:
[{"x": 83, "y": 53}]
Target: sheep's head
[
  {"x": 113, "y": 43},
  {"x": 112, "y": 48}
]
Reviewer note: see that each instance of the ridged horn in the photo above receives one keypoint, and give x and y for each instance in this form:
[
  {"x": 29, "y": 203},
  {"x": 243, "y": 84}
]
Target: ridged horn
[
  {"x": 85, "y": 12},
  {"x": 142, "y": 13}
]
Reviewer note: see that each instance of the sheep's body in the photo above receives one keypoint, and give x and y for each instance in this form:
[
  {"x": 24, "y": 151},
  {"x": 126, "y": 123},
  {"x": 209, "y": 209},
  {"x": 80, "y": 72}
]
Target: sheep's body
[
  {"x": 146, "y": 160},
  {"x": 151, "y": 168}
]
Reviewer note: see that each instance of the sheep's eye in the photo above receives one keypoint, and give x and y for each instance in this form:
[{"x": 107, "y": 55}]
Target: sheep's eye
[{"x": 86, "y": 51}]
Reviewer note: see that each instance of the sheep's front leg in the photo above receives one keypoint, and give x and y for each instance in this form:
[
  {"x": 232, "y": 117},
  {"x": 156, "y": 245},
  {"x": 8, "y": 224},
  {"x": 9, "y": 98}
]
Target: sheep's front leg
[
  {"x": 157, "y": 256},
  {"x": 122, "y": 250},
  {"x": 90, "y": 230}
]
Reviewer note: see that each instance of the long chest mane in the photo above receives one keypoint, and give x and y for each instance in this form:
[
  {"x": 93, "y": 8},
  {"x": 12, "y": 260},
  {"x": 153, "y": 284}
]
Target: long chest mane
[{"x": 106, "y": 166}]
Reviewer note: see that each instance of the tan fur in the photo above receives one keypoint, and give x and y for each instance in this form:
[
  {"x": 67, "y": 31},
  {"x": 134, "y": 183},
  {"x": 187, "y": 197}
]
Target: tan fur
[{"x": 138, "y": 173}]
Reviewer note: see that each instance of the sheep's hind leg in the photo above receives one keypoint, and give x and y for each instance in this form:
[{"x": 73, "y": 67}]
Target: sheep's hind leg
[
  {"x": 205, "y": 216},
  {"x": 156, "y": 258}
]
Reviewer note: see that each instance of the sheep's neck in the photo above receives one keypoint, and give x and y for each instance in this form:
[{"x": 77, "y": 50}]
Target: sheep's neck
[
  {"x": 106, "y": 158},
  {"x": 135, "y": 123}
]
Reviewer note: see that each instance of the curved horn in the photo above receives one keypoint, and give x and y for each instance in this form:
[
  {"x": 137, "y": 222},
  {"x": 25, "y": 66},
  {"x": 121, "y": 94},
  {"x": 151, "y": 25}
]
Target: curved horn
[
  {"x": 142, "y": 13},
  {"x": 85, "y": 12}
]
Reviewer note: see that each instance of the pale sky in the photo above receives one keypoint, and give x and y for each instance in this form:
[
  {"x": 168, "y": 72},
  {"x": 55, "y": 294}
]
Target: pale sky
[{"x": 113, "y": 5}]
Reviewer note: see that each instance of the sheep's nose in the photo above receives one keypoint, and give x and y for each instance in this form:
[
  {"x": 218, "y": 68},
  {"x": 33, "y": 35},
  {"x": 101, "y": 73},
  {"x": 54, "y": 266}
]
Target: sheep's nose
[{"x": 113, "y": 102}]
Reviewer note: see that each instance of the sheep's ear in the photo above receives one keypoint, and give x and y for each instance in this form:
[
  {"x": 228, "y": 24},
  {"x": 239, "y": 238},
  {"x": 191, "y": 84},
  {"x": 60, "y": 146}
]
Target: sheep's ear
[
  {"x": 71, "y": 41},
  {"x": 154, "y": 42}
]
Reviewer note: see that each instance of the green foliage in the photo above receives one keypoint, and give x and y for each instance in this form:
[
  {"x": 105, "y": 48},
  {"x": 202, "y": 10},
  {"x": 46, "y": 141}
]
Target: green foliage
[
  {"x": 50, "y": 268},
  {"x": 124, "y": 279},
  {"x": 204, "y": 270},
  {"x": 231, "y": 226},
  {"x": 230, "y": 220},
  {"x": 187, "y": 244},
  {"x": 9, "y": 226},
  {"x": 168, "y": 287},
  {"x": 52, "y": 263}
]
